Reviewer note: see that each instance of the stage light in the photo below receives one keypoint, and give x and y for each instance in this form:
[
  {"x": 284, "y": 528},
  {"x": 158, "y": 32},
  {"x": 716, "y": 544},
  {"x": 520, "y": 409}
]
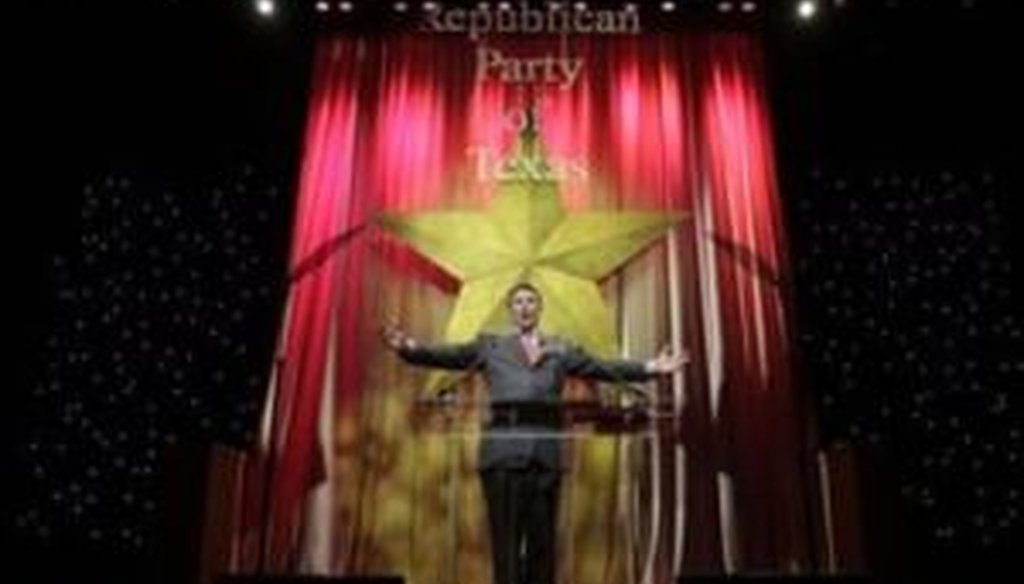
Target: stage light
[
  {"x": 630, "y": 6},
  {"x": 668, "y": 6},
  {"x": 748, "y": 7},
  {"x": 345, "y": 6},
  {"x": 401, "y": 7},
  {"x": 806, "y": 9},
  {"x": 265, "y": 8},
  {"x": 725, "y": 7},
  {"x": 322, "y": 6},
  {"x": 581, "y": 6},
  {"x": 430, "y": 6},
  {"x": 504, "y": 6}
]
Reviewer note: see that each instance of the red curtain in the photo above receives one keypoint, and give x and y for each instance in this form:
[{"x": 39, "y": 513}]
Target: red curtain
[{"x": 667, "y": 122}]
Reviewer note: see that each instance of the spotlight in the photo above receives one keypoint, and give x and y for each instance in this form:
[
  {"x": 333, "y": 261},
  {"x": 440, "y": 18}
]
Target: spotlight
[
  {"x": 504, "y": 6},
  {"x": 668, "y": 6},
  {"x": 265, "y": 7},
  {"x": 806, "y": 9},
  {"x": 345, "y": 6},
  {"x": 322, "y": 6},
  {"x": 430, "y": 6},
  {"x": 630, "y": 7},
  {"x": 725, "y": 7},
  {"x": 401, "y": 6},
  {"x": 581, "y": 6},
  {"x": 748, "y": 7}
]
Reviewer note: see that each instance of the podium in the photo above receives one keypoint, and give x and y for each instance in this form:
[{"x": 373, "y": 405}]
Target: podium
[
  {"x": 580, "y": 440},
  {"x": 590, "y": 415}
]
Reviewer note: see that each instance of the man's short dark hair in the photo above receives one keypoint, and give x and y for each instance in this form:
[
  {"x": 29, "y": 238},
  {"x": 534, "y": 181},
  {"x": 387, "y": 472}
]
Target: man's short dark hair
[{"x": 522, "y": 286}]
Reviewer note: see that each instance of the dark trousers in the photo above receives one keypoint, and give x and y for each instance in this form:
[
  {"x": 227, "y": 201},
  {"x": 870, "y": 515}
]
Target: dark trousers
[{"x": 522, "y": 509}]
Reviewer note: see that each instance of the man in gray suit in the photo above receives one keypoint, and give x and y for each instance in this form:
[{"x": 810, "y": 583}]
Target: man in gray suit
[{"x": 520, "y": 456}]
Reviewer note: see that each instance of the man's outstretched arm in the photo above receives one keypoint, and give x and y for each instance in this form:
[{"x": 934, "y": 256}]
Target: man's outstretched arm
[
  {"x": 582, "y": 364},
  {"x": 457, "y": 357}
]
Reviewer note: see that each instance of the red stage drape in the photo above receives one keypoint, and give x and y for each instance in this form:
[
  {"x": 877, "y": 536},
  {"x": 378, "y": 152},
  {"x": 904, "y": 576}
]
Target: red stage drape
[{"x": 664, "y": 122}]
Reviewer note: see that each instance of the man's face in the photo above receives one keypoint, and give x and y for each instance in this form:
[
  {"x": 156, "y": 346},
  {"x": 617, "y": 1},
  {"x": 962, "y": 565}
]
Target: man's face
[{"x": 526, "y": 307}]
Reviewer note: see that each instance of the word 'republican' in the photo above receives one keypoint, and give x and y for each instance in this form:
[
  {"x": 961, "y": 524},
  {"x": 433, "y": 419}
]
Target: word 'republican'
[{"x": 564, "y": 19}]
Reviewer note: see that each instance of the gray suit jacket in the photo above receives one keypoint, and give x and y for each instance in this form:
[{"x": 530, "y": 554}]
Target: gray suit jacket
[{"x": 516, "y": 386}]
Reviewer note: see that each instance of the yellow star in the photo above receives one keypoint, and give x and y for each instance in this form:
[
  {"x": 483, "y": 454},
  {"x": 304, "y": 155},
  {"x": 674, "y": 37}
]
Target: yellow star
[{"x": 526, "y": 235}]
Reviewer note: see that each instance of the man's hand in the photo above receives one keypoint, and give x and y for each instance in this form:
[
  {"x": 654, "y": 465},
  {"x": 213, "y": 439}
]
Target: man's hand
[
  {"x": 666, "y": 362},
  {"x": 396, "y": 338}
]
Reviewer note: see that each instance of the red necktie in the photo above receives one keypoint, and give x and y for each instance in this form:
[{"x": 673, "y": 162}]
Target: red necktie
[{"x": 532, "y": 348}]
